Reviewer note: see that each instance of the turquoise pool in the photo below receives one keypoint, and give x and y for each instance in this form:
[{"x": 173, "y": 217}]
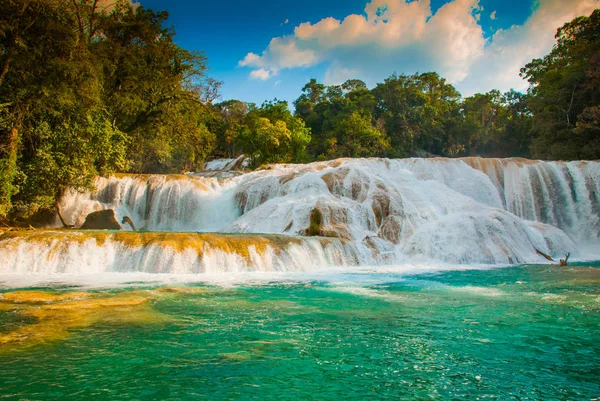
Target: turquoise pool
[{"x": 525, "y": 333}]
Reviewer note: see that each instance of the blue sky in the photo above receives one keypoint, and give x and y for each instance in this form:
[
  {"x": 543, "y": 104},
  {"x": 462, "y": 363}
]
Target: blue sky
[{"x": 261, "y": 51}]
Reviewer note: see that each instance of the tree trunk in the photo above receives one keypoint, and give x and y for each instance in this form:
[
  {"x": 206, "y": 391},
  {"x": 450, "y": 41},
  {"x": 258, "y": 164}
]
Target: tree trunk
[
  {"x": 60, "y": 216},
  {"x": 544, "y": 255},
  {"x": 7, "y": 61},
  {"x": 127, "y": 220},
  {"x": 13, "y": 42}
]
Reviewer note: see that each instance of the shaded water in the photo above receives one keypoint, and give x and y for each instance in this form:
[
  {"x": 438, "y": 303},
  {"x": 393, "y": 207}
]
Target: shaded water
[{"x": 523, "y": 332}]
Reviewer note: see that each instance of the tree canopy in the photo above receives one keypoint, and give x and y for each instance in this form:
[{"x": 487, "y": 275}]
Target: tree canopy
[
  {"x": 92, "y": 87},
  {"x": 88, "y": 90},
  {"x": 565, "y": 93}
]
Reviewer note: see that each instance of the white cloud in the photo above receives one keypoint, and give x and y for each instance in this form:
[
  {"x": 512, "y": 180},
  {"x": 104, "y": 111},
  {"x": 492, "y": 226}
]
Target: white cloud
[
  {"x": 509, "y": 50},
  {"x": 406, "y": 37},
  {"x": 261, "y": 74},
  {"x": 287, "y": 21},
  {"x": 493, "y": 15},
  {"x": 282, "y": 53}
]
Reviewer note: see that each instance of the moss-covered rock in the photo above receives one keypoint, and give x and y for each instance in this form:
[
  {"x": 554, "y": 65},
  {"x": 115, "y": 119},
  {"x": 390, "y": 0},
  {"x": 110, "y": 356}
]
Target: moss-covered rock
[{"x": 316, "y": 221}]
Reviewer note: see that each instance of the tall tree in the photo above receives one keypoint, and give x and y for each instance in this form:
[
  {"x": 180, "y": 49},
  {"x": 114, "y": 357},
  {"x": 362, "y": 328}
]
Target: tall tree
[
  {"x": 565, "y": 93},
  {"x": 90, "y": 87}
]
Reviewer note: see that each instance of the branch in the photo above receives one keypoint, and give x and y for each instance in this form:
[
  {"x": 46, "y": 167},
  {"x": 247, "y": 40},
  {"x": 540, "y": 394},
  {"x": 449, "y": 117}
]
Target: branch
[
  {"x": 544, "y": 255},
  {"x": 13, "y": 42},
  {"x": 128, "y": 220},
  {"x": 79, "y": 21},
  {"x": 563, "y": 262},
  {"x": 567, "y": 112}
]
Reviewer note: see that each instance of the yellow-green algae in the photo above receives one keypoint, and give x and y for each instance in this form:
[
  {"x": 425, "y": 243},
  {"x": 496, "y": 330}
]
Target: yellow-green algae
[
  {"x": 55, "y": 315},
  {"x": 239, "y": 244}
]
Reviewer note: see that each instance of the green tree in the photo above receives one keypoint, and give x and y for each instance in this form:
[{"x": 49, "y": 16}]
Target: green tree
[
  {"x": 52, "y": 92},
  {"x": 151, "y": 86},
  {"x": 313, "y": 93},
  {"x": 88, "y": 90},
  {"x": 264, "y": 141},
  {"x": 353, "y": 84},
  {"x": 227, "y": 122},
  {"x": 355, "y": 136},
  {"x": 414, "y": 110},
  {"x": 565, "y": 93},
  {"x": 272, "y": 133}
]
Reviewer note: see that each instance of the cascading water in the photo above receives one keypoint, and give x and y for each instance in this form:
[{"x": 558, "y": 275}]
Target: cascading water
[
  {"x": 239, "y": 163},
  {"x": 75, "y": 252},
  {"x": 159, "y": 202},
  {"x": 562, "y": 194},
  {"x": 375, "y": 211}
]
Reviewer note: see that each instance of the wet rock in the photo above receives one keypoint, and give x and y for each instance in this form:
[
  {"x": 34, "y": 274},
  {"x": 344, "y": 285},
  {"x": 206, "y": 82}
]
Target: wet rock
[{"x": 101, "y": 220}]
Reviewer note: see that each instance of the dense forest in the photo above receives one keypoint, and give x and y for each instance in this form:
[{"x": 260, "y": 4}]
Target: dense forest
[{"x": 88, "y": 89}]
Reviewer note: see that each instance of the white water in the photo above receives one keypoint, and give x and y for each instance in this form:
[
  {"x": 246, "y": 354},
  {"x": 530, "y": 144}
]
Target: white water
[
  {"x": 76, "y": 253},
  {"x": 411, "y": 211},
  {"x": 159, "y": 202},
  {"x": 239, "y": 163}
]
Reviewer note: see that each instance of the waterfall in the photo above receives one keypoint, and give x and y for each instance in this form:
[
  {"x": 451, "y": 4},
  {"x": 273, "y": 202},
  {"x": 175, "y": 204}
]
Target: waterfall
[
  {"x": 363, "y": 211},
  {"x": 75, "y": 252},
  {"x": 239, "y": 163},
  {"x": 158, "y": 202},
  {"x": 562, "y": 194}
]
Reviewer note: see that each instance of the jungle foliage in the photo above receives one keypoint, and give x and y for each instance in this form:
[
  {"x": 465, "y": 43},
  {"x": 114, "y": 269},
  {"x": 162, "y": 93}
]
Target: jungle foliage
[{"x": 91, "y": 87}]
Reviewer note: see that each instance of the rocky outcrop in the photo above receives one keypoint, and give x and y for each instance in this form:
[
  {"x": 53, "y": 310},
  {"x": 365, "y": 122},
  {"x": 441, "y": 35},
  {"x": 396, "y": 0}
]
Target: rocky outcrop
[{"x": 101, "y": 220}]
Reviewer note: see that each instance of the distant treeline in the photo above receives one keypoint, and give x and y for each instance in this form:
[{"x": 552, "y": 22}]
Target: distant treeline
[
  {"x": 424, "y": 115},
  {"x": 90, "y": 87}
]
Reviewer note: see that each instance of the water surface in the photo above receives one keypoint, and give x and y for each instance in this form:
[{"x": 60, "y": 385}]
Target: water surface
[{"x": 526, "y": 332}]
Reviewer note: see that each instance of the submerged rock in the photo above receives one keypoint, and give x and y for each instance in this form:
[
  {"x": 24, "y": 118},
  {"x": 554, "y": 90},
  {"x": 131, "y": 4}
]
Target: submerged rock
[{"x": 54, "y": 315}]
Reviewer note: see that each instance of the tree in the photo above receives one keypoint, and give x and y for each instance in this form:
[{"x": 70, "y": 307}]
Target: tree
[
  {"x": 313, "y": 94},
  {"x": 228, "y": 121},
  {"x": 565, "y": 93},
  {"x": 272, "y": 134},
  {"x": 355, "y": 136},
  {"x": 264, "y": 141},
  {"x": 414, "y": 110},
  {"x": 87, "y": 90},
  {"x": 353, "y": 84},
  {"x": 54, "y": 114}
]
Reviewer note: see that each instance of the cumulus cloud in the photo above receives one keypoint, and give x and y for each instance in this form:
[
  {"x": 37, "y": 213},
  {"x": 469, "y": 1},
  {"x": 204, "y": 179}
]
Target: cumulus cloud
[
  {"x": 261, "y": 74},
  {"x": 493, "y": 15},
  {"x": 282, "y": 53},
  {"x": 407, "y": 37},
  {"x": 509, "y": 50}
]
